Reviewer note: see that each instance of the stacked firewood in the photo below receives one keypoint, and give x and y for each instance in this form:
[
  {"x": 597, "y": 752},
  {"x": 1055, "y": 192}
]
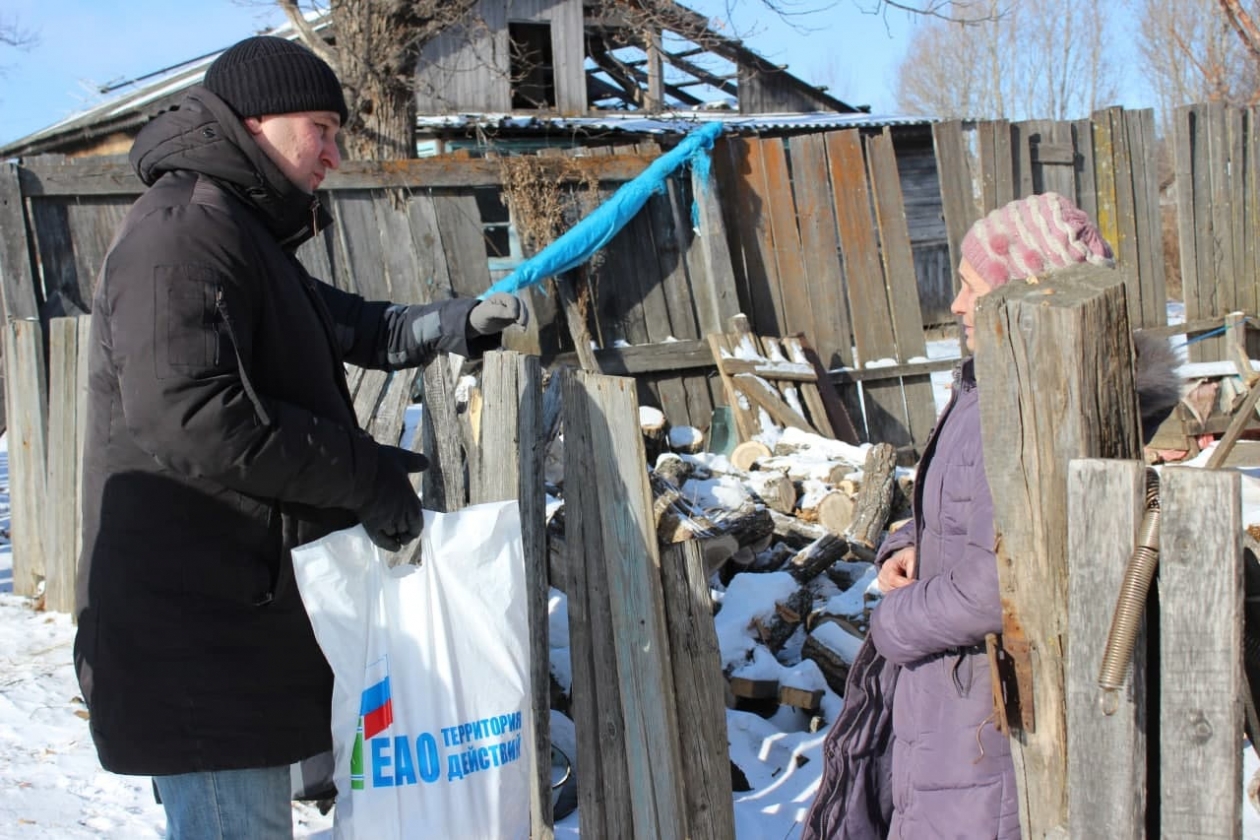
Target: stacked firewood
[{"x": 808, "y": 510}]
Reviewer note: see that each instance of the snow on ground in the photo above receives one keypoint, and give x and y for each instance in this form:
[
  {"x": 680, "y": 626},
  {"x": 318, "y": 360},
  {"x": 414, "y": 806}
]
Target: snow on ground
[{"x": 51, "y": 785}]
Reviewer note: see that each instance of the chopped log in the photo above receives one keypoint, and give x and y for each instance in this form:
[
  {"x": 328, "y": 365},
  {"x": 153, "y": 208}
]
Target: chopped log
[
  {"x": 717, "y": 550},
  {"x": 832, "y": 647},
  {"x": 794, "y": 532},
  {"x": 814, "y": 559},
  {"x": 748, "y": 453},
  {"x": 653, "y": 425},
  {"x": 673, "y": 469},
  {"x": 754, "y": 689},
  {"x": 774, "y": 489},
  {"x": 745, "y": 557},
  {"x": 835, "y": 512},
  {"x": 686, "y": 439},
  {"x": 772, "y": 559},
  {"x": 775, "y": 630},
  {"x": 826, "y": 470},
  {"x": 834, "y": 669},
  {"x": 750, "y": 523},
  {"x": 801, "y": 698},
  {"x": 874, "y": 501},
  {"x": 818, "y": 618}
]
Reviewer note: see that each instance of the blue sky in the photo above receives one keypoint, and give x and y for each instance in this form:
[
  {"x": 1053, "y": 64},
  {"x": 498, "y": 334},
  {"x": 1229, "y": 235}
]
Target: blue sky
[{"x": 85, "y": 43}]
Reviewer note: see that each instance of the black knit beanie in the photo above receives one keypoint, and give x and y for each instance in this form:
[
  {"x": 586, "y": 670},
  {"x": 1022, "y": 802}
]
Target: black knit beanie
[{"x": 270, "y": 75}]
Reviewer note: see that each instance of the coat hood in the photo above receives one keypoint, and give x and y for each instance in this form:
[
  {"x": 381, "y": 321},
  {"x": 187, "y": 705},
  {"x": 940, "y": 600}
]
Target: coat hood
[
  {"x": 203, "y": 135},
  {"x": 1156, "y": 379}
]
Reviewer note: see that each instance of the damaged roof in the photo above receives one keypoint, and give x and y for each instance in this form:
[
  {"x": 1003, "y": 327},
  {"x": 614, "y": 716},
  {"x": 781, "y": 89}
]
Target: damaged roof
[{"x": 614, "y": 76}]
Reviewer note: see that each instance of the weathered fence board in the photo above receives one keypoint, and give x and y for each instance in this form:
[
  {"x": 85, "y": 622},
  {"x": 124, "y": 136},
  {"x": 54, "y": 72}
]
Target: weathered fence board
[
  {"x": 61, "y": 554},
  {"x": 1086, "y": 194},
  {"x": 610, "y": 465},
  {"x": 1201, "y": 618},
  {"x": 27, "y": 404},
  {"x": 832, "y": 335},
  {"x": 604, "y": 808},
  {"x": 872, "y": 325},
  {"x": 17, "y": 278},
  {"x": 766, "y": 289},
  {"x": 511, "y": 468},
  {"x": 957, "y": 201},
  {"x": 899, "y": 279},
  {"x": 1150, "y": 222},
  {"x": 699, "y": 692},
  {"x": 797, "y": 312},
  {"x": 1107, "y": 791}
]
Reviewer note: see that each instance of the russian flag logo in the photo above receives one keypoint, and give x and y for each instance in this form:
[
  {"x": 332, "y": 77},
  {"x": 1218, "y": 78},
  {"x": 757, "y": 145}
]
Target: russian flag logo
[{"x": 376, "y": 708}]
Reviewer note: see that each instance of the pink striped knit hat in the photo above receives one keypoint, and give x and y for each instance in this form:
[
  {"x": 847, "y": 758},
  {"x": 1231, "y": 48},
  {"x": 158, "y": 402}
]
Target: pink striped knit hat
[{"x": 1031, "y": 236}]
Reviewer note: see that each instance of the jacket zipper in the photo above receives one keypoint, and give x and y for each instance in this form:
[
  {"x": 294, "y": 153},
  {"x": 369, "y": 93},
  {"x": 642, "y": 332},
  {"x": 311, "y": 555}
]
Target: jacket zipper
[{"x": 220, "y": 304}]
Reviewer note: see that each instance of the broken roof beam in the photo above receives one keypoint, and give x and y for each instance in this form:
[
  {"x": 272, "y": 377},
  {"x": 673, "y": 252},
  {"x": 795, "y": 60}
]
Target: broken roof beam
[
  {"x": 722, "y": 83},
  {"x": 693, "y": 27}
]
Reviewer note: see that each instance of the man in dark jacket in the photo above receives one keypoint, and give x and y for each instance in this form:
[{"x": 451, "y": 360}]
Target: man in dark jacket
[{"x": 221, "y": 434}]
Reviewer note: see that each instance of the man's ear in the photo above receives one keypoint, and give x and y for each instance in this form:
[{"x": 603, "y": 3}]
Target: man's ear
[{"x": 253, "y": 125}]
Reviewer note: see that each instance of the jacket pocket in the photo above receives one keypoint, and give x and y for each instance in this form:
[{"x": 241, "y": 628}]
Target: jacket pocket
[{"x": 184, "y": 335}]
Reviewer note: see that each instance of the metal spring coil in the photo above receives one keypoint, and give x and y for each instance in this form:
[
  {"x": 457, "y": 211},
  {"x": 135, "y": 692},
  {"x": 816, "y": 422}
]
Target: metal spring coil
[{"x": 1131, "y": 601}]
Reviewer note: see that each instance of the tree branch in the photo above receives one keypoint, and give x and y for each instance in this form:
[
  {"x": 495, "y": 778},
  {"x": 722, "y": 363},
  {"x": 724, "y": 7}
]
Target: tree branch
[
  {"x": 1243, "y": 25},
  {"x": 309, "y": 36}
]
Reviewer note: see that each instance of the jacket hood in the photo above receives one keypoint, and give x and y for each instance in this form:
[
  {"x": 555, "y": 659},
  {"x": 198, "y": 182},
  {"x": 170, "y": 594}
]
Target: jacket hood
[
  {"x": 1156, "y": 379},
  {"x": 203, "y": 135}
]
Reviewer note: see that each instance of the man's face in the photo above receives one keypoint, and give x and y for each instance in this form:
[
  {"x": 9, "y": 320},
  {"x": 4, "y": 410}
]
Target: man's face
[{"x": 302, "y": 144}]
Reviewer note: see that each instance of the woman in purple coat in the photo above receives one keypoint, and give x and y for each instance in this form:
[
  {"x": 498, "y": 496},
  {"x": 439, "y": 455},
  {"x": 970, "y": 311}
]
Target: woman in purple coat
[{"x": 934, "y": 765}]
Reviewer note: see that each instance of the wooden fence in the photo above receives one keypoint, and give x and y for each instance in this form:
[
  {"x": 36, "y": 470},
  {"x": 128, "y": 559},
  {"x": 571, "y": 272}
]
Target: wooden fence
[
  {"x": 1167, "y": 762},
  {"x": 1217, "y": 194}
]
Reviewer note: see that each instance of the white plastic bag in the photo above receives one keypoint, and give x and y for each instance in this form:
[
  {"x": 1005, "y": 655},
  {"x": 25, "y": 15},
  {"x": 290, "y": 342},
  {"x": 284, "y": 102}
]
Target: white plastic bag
[{"x": 431, "y": 678}]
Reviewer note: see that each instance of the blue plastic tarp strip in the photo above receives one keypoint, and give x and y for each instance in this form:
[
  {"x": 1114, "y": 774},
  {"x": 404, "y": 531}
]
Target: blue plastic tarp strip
[{"x": 580, "y": 242}]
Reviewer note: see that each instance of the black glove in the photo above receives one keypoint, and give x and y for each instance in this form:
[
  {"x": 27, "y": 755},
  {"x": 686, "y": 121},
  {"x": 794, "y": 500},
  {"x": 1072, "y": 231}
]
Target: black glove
[
  {"x": 392, "y": 515},
  {"x": 496, "y": 313}
]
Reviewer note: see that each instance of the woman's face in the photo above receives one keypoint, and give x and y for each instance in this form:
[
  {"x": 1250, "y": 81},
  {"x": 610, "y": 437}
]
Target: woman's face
[{"x": 972, "y": 287}]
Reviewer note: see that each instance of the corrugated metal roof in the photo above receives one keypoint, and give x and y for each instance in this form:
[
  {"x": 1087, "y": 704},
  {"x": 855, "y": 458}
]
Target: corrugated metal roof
[{"x": 675, "y": 122}]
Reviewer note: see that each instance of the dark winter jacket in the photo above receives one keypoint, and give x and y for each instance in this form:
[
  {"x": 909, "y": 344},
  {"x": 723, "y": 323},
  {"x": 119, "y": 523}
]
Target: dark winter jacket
[
  {"x": 220, "y": 435},
  {"x": 915, "y": 753}
]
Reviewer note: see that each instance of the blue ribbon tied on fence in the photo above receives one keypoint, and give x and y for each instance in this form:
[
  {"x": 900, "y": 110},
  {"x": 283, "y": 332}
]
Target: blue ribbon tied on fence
[{"x": 580, "y": 242}]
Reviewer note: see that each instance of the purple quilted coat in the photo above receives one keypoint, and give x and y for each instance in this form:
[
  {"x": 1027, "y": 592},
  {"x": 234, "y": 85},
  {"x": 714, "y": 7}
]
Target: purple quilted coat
[{"x": 951, "y": 770}]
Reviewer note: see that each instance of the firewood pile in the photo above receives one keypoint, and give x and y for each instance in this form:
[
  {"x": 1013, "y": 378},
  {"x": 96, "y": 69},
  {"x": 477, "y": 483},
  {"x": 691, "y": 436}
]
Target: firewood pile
[{"x": 790, "y": 527}]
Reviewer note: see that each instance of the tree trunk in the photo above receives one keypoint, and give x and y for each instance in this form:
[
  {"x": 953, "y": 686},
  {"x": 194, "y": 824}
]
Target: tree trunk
[{"x": 378, "y": 60}]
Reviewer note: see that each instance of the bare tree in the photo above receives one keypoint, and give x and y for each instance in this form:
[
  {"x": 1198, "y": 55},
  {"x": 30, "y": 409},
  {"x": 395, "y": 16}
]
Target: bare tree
[
  {"x": 1191, "y": 53},
  {"x": 1019, "y": 60}
]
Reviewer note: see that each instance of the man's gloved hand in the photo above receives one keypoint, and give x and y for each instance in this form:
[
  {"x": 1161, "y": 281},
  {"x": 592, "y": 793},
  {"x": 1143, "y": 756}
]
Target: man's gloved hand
[
  {"x": 496, "y": 313},
  {"x": 392, "y": 515}
]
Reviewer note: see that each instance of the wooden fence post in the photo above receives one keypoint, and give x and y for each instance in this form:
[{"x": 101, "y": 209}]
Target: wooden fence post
[
  {"x": 64, "y": 422},
  {"x": 26, "y": 402},
  {"x": 1056, "y": 383},
  {"x": 1200, "y": 624},
  {"x": 510, "y": 462},
  {"x": 697, "y": 661},
  {"x": 1107, "y": 785},
  {"x": 631, "y": 782}
]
